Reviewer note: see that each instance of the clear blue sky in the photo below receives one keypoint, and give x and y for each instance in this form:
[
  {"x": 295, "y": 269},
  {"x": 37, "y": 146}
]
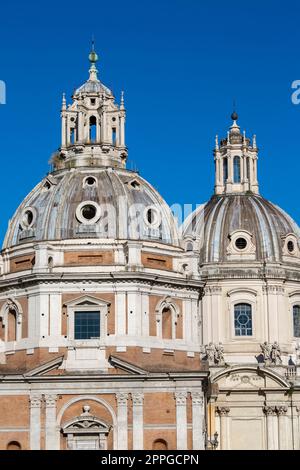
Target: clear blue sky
[{"x": 181, "y": 64}]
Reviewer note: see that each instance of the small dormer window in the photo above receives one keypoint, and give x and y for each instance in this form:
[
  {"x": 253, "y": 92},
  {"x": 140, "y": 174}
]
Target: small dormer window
[
  {"x": 93, "y": 101},
  {"x": 290, "y": 246}
]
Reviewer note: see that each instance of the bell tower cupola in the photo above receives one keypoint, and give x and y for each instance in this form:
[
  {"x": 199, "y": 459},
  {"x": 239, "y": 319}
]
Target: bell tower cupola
[
  {"x": 92, "y": 125},
  {"x": 235, "y": 162}
]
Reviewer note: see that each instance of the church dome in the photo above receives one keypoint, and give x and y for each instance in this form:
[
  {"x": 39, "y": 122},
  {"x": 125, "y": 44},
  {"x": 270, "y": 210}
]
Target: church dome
[
  {"x": 92, "y": 202},
  {"x": 237, "y": 226}
]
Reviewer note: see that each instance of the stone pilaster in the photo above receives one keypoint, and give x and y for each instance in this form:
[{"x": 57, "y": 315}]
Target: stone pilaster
[
  {"x": 35, "y": 401},
  {"x": 181, "y": 420},
  {"x": 270, "y": 412},
  {"x": 138, "y": 420},
  {"x": 283, "y": 430},
  {"x": 223, "y": 413},
  {"x": 198, "y": 420},
  {"x": 51, "y": 431},
  {"x": 122, "y": 420}
]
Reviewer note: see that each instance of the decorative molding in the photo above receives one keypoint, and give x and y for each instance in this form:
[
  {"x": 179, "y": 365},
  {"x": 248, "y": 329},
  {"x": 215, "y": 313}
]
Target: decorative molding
[
  {"x": 180, "y": 398},
  {"x": 122, "y": 398},
  {"x": 137, "y": 398},
  {"x": 222, "y": 411},
  {"x": 281, "y": 410},
  {"x": 197, "y": 398},
  {"x": 35, "y": 401},
  {"x": 50, "y": 401},
  {"x": 269, "y": 410}
]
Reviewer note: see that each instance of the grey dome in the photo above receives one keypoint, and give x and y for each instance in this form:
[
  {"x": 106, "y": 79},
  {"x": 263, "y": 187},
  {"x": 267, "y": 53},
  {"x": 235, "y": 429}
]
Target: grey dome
[
  {"x": 94, "y": 87},
  {"x": 212, "y": 223},
  {"x": 53, "y": 205}
]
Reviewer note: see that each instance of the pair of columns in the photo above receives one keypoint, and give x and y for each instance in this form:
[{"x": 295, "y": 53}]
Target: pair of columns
[
  {"x": 277, "y": 433},
  {"x": 51, "y": 435},
  {"x": 181, "y": 420},
  {"x": 137, "y": 420}
]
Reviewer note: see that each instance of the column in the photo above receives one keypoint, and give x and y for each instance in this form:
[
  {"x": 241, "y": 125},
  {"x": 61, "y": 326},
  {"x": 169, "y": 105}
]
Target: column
[
  {"x": 104, "y": 125},
  {"x": 270, "y": 413},
  {"x": 198, "y": 420},
  {"x": 51, "y": 431},
  {"x": 283, "y": 431},
  {"x": 63, "y": 131},
  {"x": 35, "y": 421},
  {"x": 122, "y": 421},
  {"x": 122, "y": 130},
  {"x": 297, "y": 428},
  {"x": 223, "y": 414},
  {"x": 181, "y": 420},
  {"x": 138, "y": 420},
  {"x": 80, "y": 127}
]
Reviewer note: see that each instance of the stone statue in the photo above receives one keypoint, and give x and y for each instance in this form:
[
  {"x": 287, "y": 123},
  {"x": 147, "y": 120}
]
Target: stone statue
[
  {"x": 219, "y": 354},
  {"x": 210, "y": 352},
  {"x": 266, "y": 352},
  {"x": 214, "y": 353},
  {"x": 276, "y": 354},
  {"x": 271, "y": 353}
]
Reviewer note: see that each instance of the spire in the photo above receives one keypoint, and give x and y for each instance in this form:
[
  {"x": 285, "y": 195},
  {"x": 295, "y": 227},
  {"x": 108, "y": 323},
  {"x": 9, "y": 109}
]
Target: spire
[
  {"x": 64, "y": 102},
  {"x": 93, "y": 58},
  {"x": 122, "y": 106}
]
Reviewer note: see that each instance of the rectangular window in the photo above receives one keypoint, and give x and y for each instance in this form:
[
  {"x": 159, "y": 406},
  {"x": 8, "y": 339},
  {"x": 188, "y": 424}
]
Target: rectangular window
[
  {"x": 296, "y": 320},
  {"x": 243, "y": 320},
  {"x": 87, "y": 325}
]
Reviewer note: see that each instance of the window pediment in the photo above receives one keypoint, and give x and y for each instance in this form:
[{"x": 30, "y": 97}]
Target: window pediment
[{"x": 86, "y": 301}]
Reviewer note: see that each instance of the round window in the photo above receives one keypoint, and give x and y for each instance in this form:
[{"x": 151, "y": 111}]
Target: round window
[
  {"x": 241, "y": 243},
  {"x": 290, "y": 246},
  {"x": 90, "y": 181},
  {"x": 152, "y": 217},
  {"x": 88, "y": 212},
  {"x": 28, "y": 218}
]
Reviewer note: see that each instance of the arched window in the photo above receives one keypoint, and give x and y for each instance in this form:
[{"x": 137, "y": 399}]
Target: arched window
[
  {"x": 167, "y": 327},
  {"x": 243, "y": 320},
  {"x": 12, "y": 325},
  {"x": 160, "y": 444},
  {"x": 225, "y": 170},
  {"x": 189, "y": 246},
  {"x": 14, "y": 445},
  {"x": 93, "y": 129},
  {"x": 296, "y": 321},
  {"x": 236, "y": 170}
]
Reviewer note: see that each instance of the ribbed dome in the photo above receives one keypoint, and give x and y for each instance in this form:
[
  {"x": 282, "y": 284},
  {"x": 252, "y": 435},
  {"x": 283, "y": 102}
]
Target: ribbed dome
[
  {"x": 266, "y": 224},
  {"x": 94, "y": 87},
  {"x": 88, "y": 202}
]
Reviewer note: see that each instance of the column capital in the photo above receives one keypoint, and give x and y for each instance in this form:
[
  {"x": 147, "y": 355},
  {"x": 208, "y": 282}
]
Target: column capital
[
  {"x": 281, "y": 410},
  {"x": 50, "y": 401},
  {"x": 197, "y": 398},
  {"x": 269, "y": 410},
  {"x": 180, "y": 397},
  {"x": 137, "y": 398},
  {"x": 122, "y": 398},
  {"x": 222, "y": 410},
  {"x": 35, "y": 401}
]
